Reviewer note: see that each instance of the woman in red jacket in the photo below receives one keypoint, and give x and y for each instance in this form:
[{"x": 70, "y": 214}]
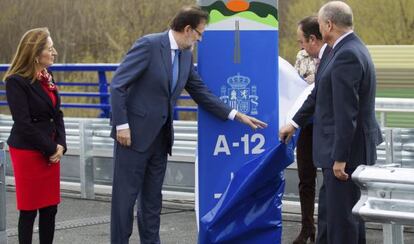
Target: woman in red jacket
[{"x": 37, "y": 139}]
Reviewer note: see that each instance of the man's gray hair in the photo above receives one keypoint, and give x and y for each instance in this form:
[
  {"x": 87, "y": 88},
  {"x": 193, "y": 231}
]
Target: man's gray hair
[{"x": 338, "y": 13}]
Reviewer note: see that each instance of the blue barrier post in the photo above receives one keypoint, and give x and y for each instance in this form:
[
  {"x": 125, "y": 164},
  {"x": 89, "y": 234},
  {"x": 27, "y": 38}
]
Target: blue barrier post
[
  {"x": 176, "y": 115},
  {"x": 177, "y": 109},
  {"x": 103, "y": 89}
]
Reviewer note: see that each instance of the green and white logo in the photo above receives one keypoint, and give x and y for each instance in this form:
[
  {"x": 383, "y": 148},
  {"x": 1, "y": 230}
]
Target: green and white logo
[{"x": 247, "y": 15}]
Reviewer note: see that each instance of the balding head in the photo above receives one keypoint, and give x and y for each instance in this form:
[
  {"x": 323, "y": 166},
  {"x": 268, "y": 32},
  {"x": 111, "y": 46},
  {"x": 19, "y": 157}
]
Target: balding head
[{"x": 337, "y": 12}]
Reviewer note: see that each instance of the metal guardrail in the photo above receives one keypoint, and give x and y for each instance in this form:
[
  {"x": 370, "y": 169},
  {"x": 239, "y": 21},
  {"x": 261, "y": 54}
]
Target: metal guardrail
[
  {"x": 89, "y": 156},
  {"x": 388, "y": 192},
  {"x": 397, "y": 149},
  {"x": 88, "y": 159},
  {"x": 76, "y": 128},
  {"x": 387, "y": 197},
  {"x": 3, "y": 234},
  {"x": 392, "y": 105}
]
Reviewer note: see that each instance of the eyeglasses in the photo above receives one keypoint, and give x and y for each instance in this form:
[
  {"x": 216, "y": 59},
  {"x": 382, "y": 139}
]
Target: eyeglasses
[{"x": 198, "y": 32}]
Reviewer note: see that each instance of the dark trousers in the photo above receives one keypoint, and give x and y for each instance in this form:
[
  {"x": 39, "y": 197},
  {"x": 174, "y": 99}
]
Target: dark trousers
[
  {"x": 138, "y": 177},
  {"x": 46, "y": 225},
  {"x": 336, "y": 224},
  {"x": 307, "y": 176}
]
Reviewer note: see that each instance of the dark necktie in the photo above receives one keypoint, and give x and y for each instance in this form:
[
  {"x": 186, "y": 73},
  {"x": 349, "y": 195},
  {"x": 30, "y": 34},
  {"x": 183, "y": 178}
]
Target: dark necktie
[
  {"x": 176, "y": 66},
  {"x": 317, "y": 62}
]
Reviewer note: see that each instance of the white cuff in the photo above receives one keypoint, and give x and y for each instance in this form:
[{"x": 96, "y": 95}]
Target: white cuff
[
  {"x": 232, "y": 114},
  {"x": 122, "y": 127},
  {"x": 294, "y": 124}
]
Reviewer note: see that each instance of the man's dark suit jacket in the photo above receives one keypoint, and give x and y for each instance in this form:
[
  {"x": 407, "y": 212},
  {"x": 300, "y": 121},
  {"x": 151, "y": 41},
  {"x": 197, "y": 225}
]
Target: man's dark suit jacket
[
  {"x": 35, "y": 118},
  {"x": 140, "y": 91},
  {"x": 343, "y": 105}
]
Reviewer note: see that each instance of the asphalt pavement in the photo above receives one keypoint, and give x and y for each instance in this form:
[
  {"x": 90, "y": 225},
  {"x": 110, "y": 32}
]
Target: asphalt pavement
[{"x": 82, "y": 221}]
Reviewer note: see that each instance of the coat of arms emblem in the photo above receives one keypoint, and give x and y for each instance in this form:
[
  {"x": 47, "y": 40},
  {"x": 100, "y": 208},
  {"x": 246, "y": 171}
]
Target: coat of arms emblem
[{"x": 239, "y": 95}]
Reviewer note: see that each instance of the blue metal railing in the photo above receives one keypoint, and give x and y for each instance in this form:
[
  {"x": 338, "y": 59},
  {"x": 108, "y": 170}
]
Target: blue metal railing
[{"x": 102, "y": 84}]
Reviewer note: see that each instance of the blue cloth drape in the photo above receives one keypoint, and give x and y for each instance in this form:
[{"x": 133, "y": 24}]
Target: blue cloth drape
[{"x": 250, "y": 210}]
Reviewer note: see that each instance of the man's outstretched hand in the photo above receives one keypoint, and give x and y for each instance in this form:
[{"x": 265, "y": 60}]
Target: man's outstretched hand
[{"x": 250, "y": 121}]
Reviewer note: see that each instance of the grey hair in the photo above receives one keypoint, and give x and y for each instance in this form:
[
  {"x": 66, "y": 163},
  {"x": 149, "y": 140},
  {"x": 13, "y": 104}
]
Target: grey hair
[{"x": 338, "y": 13}]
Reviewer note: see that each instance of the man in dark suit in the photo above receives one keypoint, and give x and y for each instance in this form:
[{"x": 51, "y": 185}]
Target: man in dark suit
[
  {"x": 144, "y": 90},
  {"x": 310, "y": 40},
  {"x": 345, "y": 132}
]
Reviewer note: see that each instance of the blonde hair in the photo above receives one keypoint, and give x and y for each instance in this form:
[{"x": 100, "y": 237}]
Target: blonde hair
[{"x": 30, "y": 47}]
